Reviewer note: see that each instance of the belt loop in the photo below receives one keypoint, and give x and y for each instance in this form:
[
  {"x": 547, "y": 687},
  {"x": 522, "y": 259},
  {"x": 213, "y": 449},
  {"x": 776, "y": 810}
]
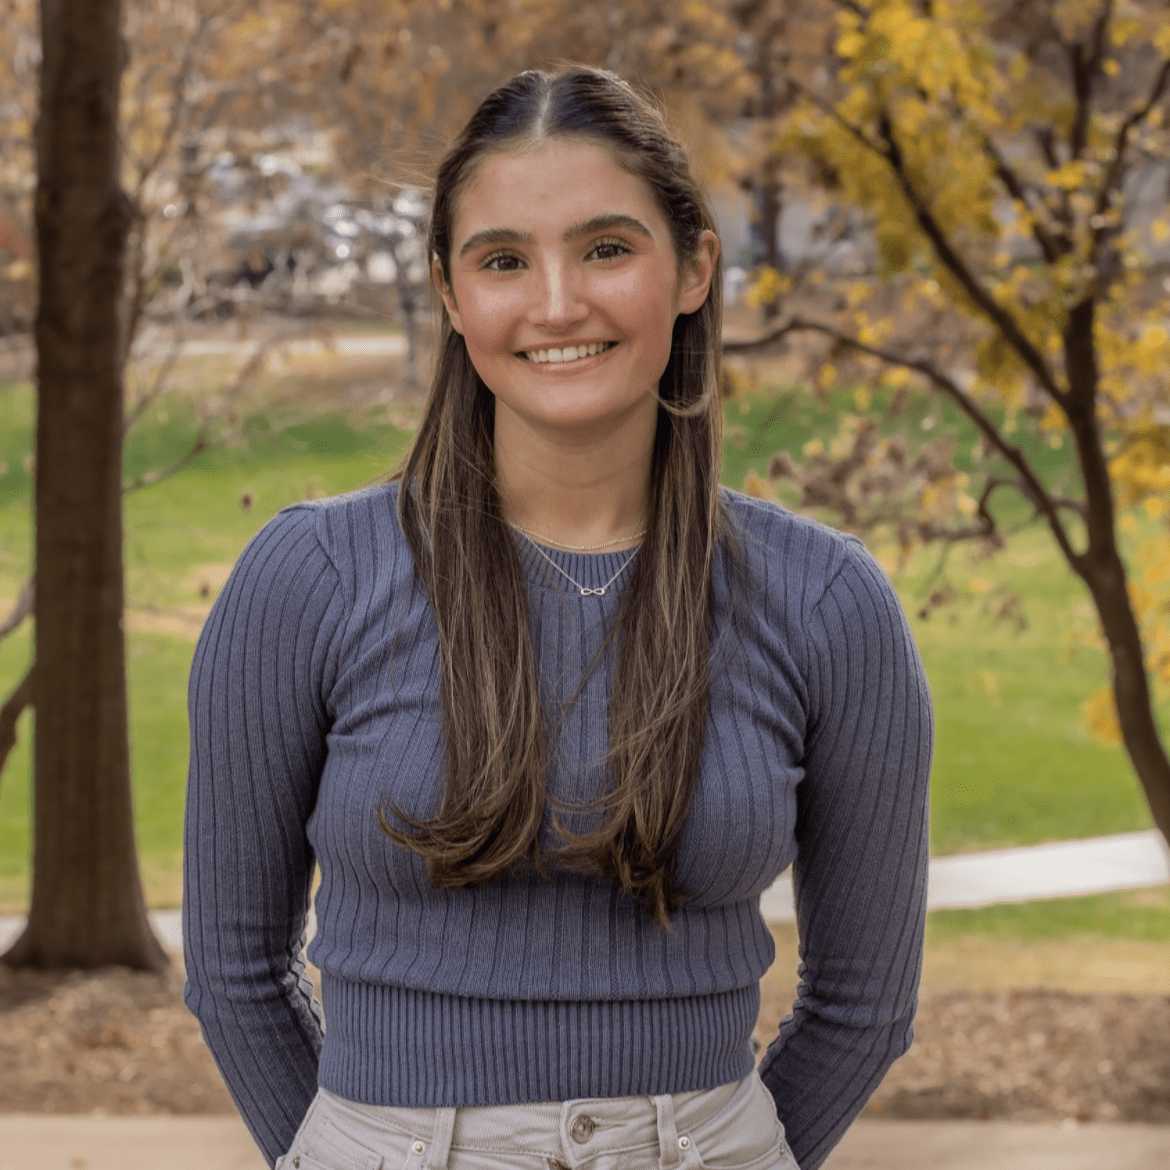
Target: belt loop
[
  {"x": 440, "y": 1147},
  {"x": 668, "y": 1155}
]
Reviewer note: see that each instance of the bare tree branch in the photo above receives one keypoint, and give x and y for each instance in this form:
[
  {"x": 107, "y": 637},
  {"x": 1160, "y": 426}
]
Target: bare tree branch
[
  {"x": 1085, "y": 64},
  {"x": 1059, "y": 502},
  {"x": 157, "y": 389},
  {"x": 179, "y": 104},
  {"x": 1051, "y": 247},
  {"x": 1121, "y": 140},
  {"x": 952, "y": 536},
  {"x": 203, "y": 437},
  {"x": 999, "y": 316},
  {"x": 150, "y": 478},
  {"x": 179, "y": 107},
  {"x": 993, "y": 484},
  {"x": 1070, "y": 505},
  {"x": 1042, "y": 500},
  {"x": 853, "y": 6},
  {"x": 827, "y": 107},
  {"x": 21, "y": 610},
  {"x": 10, "y": 713},
  {"x": 1046, "y": 140},
  {"x": 136, "y": 301}
]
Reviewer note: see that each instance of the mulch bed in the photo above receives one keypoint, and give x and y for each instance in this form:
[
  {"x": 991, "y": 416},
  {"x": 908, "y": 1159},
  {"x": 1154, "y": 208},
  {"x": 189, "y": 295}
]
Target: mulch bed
[
  {"x": 115, "y": 1042},
  {"x": 121, "y": 1042},
  {"x": 1034, "y": 1056}
]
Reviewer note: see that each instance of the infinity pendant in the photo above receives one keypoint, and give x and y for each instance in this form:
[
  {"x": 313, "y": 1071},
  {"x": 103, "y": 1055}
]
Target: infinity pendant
[{"x": 584, "y": 590}]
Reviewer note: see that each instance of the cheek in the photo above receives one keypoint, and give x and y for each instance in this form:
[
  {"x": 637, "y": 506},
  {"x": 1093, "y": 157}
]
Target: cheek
[
  {"x": 645, "y": 305},
  {"x": 487, "y": 318}
]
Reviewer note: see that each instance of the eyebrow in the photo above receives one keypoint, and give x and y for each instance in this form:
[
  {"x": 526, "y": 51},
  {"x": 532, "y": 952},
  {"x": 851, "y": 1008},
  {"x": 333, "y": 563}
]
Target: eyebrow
[{"x": 609, "y": 222}]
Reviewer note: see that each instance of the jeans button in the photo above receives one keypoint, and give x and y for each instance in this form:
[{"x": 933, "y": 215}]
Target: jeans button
[{"x": 582, "y": 1128}]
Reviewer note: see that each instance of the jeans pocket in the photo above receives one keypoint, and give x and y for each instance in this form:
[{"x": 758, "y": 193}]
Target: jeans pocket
[
  {"x": 744, "y": 1135},
  {"x": 774, "y": 1155},
  {"x": 322, "y": 1145},
  {"x": 301, "y": 1162}
]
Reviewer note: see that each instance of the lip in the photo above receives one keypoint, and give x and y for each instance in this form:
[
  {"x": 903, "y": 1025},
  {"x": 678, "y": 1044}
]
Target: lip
[{"x": 563, "y": 368}]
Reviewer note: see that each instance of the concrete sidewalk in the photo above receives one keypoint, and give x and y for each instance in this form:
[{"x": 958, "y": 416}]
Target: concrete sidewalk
[
  {"x": 222, "y": 1143},
  {"x": 1060, "y": 869}
]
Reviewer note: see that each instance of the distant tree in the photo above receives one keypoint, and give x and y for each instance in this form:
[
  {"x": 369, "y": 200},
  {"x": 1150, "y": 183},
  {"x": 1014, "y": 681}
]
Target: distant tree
[
  {"x": 124, "y": 90},
  {"x": 1012, "y": 161},
  {"x": 87, "y": 905},
  {"x": 177, "y": 110}
]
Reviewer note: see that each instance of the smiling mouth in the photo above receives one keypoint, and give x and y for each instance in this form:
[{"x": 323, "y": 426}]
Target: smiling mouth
[{"x": 570, "y": 353}]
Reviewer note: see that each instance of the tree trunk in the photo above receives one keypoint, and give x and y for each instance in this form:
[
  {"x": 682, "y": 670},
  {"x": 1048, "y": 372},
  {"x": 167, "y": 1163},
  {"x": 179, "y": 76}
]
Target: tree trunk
[
  {"x": 1131, "y": 689},
  {"x": 87, "y": 903},
  {"x": 1103, "y": 571}
]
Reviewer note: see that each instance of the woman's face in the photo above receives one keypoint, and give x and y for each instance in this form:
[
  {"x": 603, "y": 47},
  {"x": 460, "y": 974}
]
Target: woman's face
[{"x": 565, "y": 286}]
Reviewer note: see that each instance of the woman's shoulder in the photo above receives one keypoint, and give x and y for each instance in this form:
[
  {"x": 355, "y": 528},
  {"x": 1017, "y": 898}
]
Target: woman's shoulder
[
  {"x": 372, "y": 500},
  {"x": 347, "y": 535},
  {"x": 812, "y": 580},
  {"x": 778, "y": 546},
  {"x": 344, "y": 523},
  {"x": 793, "y": 564}
]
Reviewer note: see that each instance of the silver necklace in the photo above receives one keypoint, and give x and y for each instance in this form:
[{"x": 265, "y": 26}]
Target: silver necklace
[
  {"x": 584, "y": 590},
  {"x": 579, "y": 547}
]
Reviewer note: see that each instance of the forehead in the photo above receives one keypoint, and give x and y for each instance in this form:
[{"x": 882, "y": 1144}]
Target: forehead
[{"x": 549, "y": 187}]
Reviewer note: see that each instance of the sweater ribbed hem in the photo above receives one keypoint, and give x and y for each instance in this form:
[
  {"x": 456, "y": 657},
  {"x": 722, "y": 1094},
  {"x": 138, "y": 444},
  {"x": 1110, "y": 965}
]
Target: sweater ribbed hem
[{"x": 438, "y": 1050}]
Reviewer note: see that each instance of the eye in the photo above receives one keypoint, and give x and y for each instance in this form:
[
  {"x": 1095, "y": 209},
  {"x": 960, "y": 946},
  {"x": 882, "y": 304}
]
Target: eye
[
  {"x": 610, "y": 249},
  {"x": 502, "y": 262}
]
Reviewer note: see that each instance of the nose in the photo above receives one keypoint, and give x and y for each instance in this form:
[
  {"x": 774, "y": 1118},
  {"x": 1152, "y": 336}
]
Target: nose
[{"x": 557, "y": 301}]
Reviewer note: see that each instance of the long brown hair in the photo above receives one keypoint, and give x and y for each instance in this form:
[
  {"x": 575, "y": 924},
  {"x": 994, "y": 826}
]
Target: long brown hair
[{"x": 449, "y": 506}]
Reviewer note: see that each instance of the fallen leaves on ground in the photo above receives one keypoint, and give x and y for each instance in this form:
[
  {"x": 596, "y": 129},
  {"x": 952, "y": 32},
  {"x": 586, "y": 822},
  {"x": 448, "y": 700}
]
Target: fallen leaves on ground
[
  {"x": 122, "y": 1042},
  {"x": 115, "y": 1041}
]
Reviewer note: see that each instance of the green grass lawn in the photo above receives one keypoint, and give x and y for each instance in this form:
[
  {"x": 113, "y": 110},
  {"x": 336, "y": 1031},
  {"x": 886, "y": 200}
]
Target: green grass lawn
[
  {"x": 1014, "y": 763},
  {"x": 1125, "y": 914}
]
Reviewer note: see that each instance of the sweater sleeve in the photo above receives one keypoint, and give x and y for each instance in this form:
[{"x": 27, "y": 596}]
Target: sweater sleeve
[
  {"x": 258, "y": 718},
  {"x": 860, "y": 871}
]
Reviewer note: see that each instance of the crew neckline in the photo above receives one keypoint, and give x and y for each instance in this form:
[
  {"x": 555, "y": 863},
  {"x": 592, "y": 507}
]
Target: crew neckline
[{"x": 590, "y": 569}]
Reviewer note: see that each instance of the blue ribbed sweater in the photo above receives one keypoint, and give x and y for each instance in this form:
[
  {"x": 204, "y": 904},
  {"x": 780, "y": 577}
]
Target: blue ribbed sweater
[{"x": 314, "y": 698}]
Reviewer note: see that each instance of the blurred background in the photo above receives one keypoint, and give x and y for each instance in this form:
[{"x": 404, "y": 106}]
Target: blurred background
[{"x": 947, "y": 258}]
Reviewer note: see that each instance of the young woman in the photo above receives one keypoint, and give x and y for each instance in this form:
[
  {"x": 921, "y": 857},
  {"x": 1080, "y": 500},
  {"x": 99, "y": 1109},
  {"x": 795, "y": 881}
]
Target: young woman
[{"x": 550, "y": 711}]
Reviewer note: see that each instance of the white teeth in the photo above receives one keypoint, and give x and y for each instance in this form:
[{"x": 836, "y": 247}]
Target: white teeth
[{"x": 569, "y": 353}]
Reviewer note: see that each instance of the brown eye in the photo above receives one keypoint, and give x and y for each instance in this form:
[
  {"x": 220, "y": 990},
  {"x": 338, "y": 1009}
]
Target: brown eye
[
  {"x": 502, "y": 262},
  {"x": 609, "y": 249}
]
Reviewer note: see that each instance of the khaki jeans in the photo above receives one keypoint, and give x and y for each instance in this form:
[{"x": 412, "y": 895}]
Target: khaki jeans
[{"x": 732, "y": 1127}]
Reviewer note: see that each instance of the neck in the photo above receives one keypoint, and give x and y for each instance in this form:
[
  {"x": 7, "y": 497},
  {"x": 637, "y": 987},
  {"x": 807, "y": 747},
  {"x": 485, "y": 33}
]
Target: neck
[{"x": 578, "y": 491}]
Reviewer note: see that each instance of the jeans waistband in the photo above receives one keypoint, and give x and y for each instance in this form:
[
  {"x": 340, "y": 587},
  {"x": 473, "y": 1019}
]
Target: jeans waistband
[{"x": 571, "y": 1133}]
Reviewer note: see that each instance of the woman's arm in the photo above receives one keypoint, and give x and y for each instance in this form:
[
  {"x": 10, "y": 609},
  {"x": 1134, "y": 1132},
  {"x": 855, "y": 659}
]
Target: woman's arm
[
  {"x": 860, "y": 872},
  {"x": 258, "y": 724}
]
